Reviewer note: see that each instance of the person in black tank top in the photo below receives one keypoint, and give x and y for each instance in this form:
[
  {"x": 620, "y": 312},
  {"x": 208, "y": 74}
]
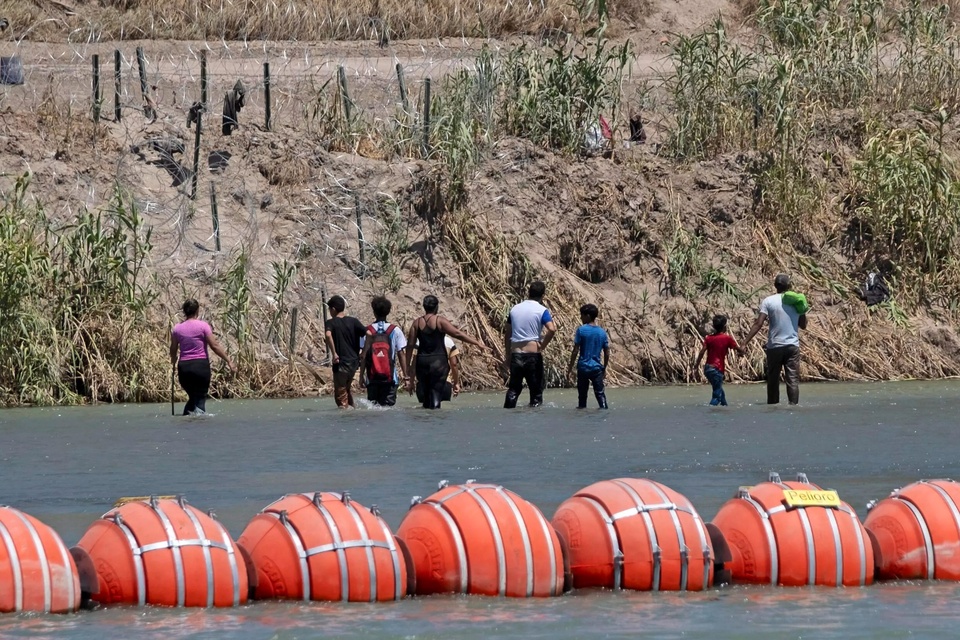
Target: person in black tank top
[{"x": 432, "y": 365}]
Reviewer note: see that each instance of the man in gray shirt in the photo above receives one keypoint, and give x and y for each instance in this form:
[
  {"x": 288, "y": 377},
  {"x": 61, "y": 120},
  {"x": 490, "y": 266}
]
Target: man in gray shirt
[{"x": 783, "y": 341}]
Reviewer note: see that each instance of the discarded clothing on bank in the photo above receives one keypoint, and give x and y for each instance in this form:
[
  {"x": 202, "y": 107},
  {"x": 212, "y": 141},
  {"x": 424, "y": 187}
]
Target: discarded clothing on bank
[{"x": 874, "y": 290}]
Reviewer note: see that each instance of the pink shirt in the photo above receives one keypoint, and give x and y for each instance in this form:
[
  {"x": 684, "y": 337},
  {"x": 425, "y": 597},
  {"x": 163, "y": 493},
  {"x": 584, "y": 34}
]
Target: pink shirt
[{"x": 192, "y": 336}]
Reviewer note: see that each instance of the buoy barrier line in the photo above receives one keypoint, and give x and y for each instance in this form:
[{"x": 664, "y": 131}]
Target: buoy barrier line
[
  {"x": 768, "y": 534},
  {"x": 14, "y": 559},
  {"x": 556, "y": 588},
  {"x": 809, "y": 542},
  {"x": 527, "y": 548},
  {"x": 835, "y": 530},
  {"x": 681, "y": 538},
  {"x": 655, "y": 550},
  {"x": 951, "y": 505},
  {"x": 340, "y": 551},
  {"x": 837, "y": 539},
  {"x": 497, "y": 538},
  {"x": 614, "y": 539},
  {"x": 365, "y": 542},
  {"x": 495, "y": 525},
  {"x": 174, "y": 549},
  {"x": 294, "y": 536},
  {"x": 672, "y": 508},
  {"x": 457, "y": 540},
  {"x": 206, "y": 555},
  {"x": 41, "y": 558},
  {"x": 398, "y": 588},
  {"x": 807, "y": 531},
  {"x": 137, "y": 558},
  {"x": 309, "y": 518},
  {"x": 232, "y": 558}
]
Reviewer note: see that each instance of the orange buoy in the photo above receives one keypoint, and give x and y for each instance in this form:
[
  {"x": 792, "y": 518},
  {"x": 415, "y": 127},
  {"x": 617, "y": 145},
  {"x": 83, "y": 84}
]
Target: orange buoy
[
  {"x": 37, "y": 572},
  {"x": 794, "y": 533},
  {"x": 165, "y": 552},
  {"x": 916, "y": 532},
  {"x": 481, "y": 539},
  {"x": 630, "y": 533},
  {"x": 324, "y": 546}
]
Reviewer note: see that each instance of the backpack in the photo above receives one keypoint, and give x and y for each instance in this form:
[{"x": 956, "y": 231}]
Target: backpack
[{"x": 380, "y": 360}]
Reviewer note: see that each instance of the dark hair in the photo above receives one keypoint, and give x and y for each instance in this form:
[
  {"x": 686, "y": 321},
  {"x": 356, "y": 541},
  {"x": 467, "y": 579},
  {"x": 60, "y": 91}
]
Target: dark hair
[
  {"x": 430, "y": 304},
  {"x": 337, "y": 303},
  {"x": 537, "y": 289},
  {"x": 782, "y": 282},
  {"x": 590, "y": 310},
  {"x": 190, "y": 307},
  {"x": 719, "y": 323},
  {"x": 381, "y": 307}
]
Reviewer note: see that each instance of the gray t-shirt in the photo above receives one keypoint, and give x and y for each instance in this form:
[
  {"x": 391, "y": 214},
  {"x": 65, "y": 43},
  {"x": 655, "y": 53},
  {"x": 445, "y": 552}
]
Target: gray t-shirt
[{"x": 784, "y": 322}]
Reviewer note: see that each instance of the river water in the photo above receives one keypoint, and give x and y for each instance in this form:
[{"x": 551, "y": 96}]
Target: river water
[{"x": 66, "y": 466}]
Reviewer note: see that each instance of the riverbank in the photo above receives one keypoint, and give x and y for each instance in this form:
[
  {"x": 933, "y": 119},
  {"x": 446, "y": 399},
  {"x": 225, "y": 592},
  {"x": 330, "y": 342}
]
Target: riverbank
[{"x": 744, "y": 172}]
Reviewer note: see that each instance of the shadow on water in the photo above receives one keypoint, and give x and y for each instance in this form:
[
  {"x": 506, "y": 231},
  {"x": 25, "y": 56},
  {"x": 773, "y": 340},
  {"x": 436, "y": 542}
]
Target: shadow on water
[{"x": 67, "y": 466}]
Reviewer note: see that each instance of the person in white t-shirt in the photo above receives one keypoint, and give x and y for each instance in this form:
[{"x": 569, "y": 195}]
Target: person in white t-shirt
[
  {"x": 783, "y": 341},
  {"x": 528, "y": 331}
]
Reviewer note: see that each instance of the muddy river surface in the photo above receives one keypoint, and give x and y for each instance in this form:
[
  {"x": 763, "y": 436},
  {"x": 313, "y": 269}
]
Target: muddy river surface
[{"x": 67, "y": 466}]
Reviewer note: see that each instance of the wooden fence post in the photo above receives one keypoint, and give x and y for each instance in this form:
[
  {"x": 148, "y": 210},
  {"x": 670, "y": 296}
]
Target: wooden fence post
[
  {"x": 216, "y": 216},
  {"x": 360, "y": 241},
  {"x": 292, "y": 346},
  {"x": 266, "y": 94},
  {"x": 426, "y": 117},
  {"x": 148, "y": 109},
  {"x": 96, "y": 88},
  {"x": 116, "y": 84},
  {"x": 403, "y": 89},
  {"x": 344, "y": 94},
  {"x": 196, "y": 155},
  {"x": 203, "y": 78}
]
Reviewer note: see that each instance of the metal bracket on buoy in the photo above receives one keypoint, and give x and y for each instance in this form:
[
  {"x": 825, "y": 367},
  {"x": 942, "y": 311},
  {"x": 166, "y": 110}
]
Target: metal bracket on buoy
[
  {"x": 774, "y": 477},
  {"x": 470, "y": 481},
  {"x": 154, "y": 502},
  {"x": 212, "y": 514},
  {"x": 415, "y": 500},
  {"x": 283, "y": 517},
  {"x": 181, "y": 500},
  {"x": 375, "y": 510},
  {"x": 802, "y": 477},
  {"x": 871, "y": 505},
  {"x": 316, "y": 499},
  {"x": 443, "y": 484},
  {"x": 345, "y": 497}
]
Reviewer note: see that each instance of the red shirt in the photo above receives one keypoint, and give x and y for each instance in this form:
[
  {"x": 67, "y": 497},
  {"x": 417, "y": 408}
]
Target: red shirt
[{"x": 717, "y": 346}]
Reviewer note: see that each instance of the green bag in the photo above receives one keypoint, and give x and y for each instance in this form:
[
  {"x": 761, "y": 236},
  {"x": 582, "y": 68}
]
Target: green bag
[{"x": 796, "y": 300}]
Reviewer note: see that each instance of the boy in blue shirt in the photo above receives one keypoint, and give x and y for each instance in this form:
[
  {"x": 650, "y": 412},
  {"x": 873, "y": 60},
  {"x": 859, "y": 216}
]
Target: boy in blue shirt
[{"x": 588, "y": 342}]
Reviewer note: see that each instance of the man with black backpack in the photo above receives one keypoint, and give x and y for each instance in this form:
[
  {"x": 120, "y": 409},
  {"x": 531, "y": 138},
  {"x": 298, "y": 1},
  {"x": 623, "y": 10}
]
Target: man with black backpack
[{"x": 381, "y": 352}]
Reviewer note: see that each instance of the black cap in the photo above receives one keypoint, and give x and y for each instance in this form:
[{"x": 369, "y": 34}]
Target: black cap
[{"x": 782, "y": 280}]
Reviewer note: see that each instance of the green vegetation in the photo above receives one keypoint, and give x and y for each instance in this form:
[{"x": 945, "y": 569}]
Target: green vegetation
[
  {"x": 73, "y": 305},
  {"x": 778, "y": 98}
]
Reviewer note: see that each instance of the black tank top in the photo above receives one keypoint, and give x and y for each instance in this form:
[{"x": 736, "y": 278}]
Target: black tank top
[{"x": 431, "y": 340}]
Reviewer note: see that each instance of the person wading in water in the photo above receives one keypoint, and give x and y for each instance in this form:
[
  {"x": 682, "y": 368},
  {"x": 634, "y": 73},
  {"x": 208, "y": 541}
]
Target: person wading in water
[
  {"x": 528, "y": 331},
  {"x": 191, "y": 338},
  {"x": 432, "y": 364}
]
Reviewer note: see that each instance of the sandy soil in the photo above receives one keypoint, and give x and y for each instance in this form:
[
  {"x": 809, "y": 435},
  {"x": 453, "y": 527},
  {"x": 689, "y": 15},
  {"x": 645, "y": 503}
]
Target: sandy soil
[{"x": 595, "y": 229}]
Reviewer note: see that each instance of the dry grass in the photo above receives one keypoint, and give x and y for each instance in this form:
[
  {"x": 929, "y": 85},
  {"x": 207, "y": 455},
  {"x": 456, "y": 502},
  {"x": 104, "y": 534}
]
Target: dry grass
[{"x": 290, "y": 19}]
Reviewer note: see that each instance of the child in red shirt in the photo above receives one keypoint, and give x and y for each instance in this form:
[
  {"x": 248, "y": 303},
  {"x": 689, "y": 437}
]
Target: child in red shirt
[{"x": 716, "y": 346}]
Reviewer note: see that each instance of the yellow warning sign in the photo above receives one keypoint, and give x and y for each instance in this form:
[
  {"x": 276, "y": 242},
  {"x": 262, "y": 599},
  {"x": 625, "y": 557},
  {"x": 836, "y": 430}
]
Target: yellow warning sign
[{"x": 810, "y": 498}]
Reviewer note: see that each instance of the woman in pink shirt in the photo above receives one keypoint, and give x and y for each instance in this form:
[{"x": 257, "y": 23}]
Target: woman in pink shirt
[{"x": 191, "y": 338}]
